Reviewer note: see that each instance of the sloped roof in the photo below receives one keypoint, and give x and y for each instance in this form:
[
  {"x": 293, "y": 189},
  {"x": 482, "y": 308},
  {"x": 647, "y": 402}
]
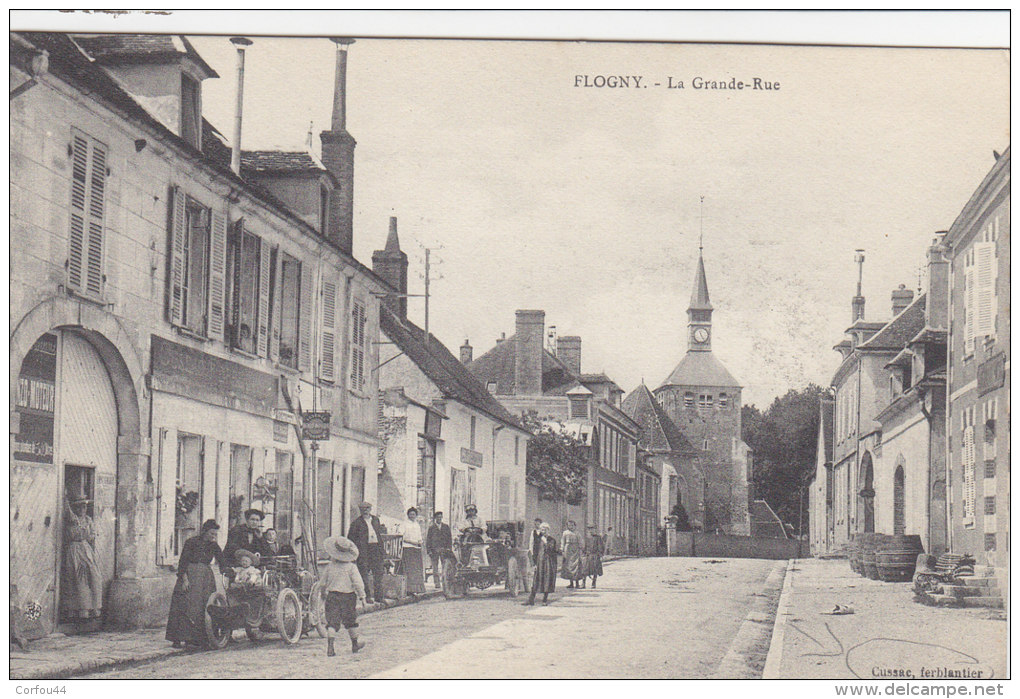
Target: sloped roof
[
  {"x": 114, "y": 49},
  {"x": 899, "y": 331},
  {"x": 444, "y": 370},
  {"x": 765, "y": 522},
  {"x": 280, "y": 161},
  {"x": 498, "y": 365},
  {"x": 699, "y": 368},
  {"x": 658, "y": 432}
]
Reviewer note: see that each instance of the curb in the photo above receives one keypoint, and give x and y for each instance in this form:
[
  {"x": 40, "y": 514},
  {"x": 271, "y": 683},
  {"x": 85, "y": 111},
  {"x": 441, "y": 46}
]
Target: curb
[
  {"x": 757, "y": 626},
  {"x": 774, "y": 661},
  {"x": 108, "y": 663}
]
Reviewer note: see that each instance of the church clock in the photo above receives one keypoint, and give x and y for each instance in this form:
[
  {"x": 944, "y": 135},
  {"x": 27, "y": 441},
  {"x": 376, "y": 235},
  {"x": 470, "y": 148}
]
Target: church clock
[{"x": 701, "y": 335}]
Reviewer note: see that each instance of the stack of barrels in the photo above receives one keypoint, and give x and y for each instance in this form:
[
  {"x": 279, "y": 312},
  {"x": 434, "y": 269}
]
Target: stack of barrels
[{"x": 884, "y": 557}]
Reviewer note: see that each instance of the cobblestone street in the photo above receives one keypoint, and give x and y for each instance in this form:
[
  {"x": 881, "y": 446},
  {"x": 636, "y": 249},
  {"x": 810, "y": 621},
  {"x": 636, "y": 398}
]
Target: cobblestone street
[{"x": 652, "y": 617}]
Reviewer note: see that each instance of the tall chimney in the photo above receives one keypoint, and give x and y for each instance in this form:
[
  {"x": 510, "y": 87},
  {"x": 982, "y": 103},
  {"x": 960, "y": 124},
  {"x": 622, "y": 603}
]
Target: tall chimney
[
  {"x": 858, "y": 300},
  {"x": 391, "y": 265},
  {"x": 936, "y": 307},
  {"x": 528, "y": 352},
  {"x": 568, "y": 351},
  {"x": 901, "y": 298},
  {"x": 235, "y": 151},
  {"x": 466, "y": 352},
  {"x": 338, "y": 157}
]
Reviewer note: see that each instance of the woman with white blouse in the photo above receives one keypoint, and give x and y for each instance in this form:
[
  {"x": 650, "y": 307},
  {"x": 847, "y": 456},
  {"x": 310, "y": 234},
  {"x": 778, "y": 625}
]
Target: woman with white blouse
[{"x": 414, "y": 568}]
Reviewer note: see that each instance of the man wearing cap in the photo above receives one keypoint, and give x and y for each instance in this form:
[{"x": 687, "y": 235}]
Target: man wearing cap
[
  {"x": 439, "y": 539},
  {"x": 366, "y": 532},
  {"x": 247, "y": 535}
]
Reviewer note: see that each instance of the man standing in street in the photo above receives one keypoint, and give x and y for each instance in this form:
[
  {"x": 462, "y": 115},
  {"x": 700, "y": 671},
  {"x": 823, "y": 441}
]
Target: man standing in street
[
  {"x": 438, "y": 539},
  {"x": 366, "y": 532},
  {"x": 247, "y": 536}
]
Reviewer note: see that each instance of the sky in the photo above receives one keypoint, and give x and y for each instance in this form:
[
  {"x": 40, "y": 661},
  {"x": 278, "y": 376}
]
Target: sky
[{"x": 586, "y": 202}]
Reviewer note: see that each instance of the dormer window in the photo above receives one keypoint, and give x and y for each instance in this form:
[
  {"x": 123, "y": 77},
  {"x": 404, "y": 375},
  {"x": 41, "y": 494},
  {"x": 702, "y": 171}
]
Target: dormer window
[
  {"x": 578, "y": 408},
  {"x": 191, "y": 111},
  {"x": 491, "y": 386}
]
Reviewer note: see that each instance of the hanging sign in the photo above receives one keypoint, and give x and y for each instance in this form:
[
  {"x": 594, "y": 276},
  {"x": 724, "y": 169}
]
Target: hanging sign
[{"x": 315, "y": 426}]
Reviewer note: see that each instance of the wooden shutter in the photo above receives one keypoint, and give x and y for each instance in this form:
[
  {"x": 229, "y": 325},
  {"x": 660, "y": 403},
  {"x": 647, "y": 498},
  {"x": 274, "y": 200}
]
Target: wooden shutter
[
  {"x": 97, "y": 204},
  {"x": 357, "y": 345},
  {"x": 166, "y": 497},
  {"x": 262, "y": 347},
  {"x": 79, "y": 175},
  {"x": 217, "y": 275},
  {"x": 327, "y": 358},
  {"x": 177, "y": 233},
  {"x": 969, "y": 300},
  {"x": 86, "y": 234},
  {"x": 984, "y": 289},
  {"x": 277, "y": 311},
  {"x": 969, "y": 486},
  {"x": 305, "y": 319}
]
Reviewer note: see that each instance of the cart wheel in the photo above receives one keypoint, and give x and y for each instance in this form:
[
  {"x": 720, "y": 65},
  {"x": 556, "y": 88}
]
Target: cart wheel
[
  {"x": 451, "y": 588},
  {"x": 288, "y": 616},
  {"x": 216, "y": 637},
  {"x": 317, "y": 609},
  {"x": 514, "y": 581}
]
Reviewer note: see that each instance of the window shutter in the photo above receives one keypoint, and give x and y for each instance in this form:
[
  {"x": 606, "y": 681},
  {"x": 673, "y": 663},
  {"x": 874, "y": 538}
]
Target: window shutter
[
  {"x": 327, "y": 358},
  {"x": 217, "y": 274},
  {"x": 262, "y": 348},
  {"x": 357, "y": 345},
  {"x": 177, "y": 233},
  {"x": 305, "y": 320},
  {"x": 969, "y": 300},
  {"x": 984, "y": 289},
  {"x": 79, "y": 177},
  {"x": 277, "y": 302},
  {"x": 97, "y": 203},
  {"x": 166, "y": 511}
]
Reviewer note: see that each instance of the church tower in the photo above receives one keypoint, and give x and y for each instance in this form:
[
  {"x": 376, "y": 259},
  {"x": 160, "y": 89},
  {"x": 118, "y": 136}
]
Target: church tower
[{"x": 703, "y": 398}]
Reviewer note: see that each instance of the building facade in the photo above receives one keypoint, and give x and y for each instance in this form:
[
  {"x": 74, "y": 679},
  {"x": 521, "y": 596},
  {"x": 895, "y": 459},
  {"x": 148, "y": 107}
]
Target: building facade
[
  {"x": 172, "y": 323},
  {"x": 977, "y": 419},
  {"x": 703, "y": 399},
  {"x": 528, "y": 378},
  {"x": 448, "y": 443}
]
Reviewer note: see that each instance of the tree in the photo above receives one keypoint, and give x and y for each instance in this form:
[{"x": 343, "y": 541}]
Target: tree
[
  {"x": 557, "y": 462},
  {"x": 784, "y": 439}
]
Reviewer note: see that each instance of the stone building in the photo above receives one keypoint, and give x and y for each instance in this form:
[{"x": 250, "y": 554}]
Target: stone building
[
  {"x": 672, "y": 457},
  {"x": 977, "y": 416},
  {"x": 526, "y": 377},
  {"x": 447, "y": 442},
  {"x": 173, "y": 320},
  {"x": 703, "y": 399},
  {"x": 820, "y": 486}
]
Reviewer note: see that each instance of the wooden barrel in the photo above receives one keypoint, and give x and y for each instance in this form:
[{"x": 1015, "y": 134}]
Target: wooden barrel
[
  {"x": 860, "y": 541},
  {"x": 896, "y": 557},
  {"x": 852, "y": 552},
  {"x": 869, "y": 547}
]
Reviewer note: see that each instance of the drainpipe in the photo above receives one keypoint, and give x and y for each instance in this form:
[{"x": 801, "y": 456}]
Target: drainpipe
[{"x": 235, "y": 152}]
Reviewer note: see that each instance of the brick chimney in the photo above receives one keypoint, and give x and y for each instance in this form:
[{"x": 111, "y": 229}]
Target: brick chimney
[
  {"x": 338, "y": 157},
  {"x": 467, "y": 352},
  {"x": 568, "y": 351},
  {"x": 391, "y": 265},
  {"x": 528, "y": 352},
  {"x": 936, "y": 308},
  {"x": 901, "y": 298}
]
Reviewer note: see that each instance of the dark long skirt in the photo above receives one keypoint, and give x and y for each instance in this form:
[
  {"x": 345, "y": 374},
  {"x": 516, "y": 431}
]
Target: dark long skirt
[
  {"x": 414, "y": 570},
  {"x": 545, "y": 574},
  {"x": 186, "y": 621}
]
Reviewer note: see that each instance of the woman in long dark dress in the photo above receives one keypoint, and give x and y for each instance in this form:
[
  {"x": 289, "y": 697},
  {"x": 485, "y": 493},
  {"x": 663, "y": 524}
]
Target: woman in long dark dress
[
  {"x": 195, "y": 582},
  {"x": 596, "y": 546},
  {"x": 544, "y": 552},
  {"x": 83, "y": 582}
]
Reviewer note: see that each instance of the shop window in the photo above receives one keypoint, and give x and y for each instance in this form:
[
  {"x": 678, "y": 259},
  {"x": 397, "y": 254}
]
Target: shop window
[
  {"x": 35, "y": 403},
  {"x": 283, "y": 516},
  {"x": 188, "y": 513},
  {"x": 239, "y": 491}
]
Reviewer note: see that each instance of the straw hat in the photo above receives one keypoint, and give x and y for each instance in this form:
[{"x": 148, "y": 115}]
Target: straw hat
[
  {"x": 253, "y": 557},
  {"x": 341, "y": 549}
]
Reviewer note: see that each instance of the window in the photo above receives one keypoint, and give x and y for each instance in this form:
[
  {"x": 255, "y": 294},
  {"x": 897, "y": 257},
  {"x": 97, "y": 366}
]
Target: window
[
  {"x": 503, "y": 504},
  {"x": 723, "y": 400},
  {"x": 191, "y": 111},
  {"x": 189, "y": 264},
  {"x": 474, "y": 431},
  {"x": 239, "y": 488},
  {"x": 990, "y": 468},
  {"x": 688, "y": 400},
  {"x": 990, "y": 542},
  {"x": 188, "y": 513},
  {"x": 245, "y": 269},
  {"x": 86, "y": 236},
  {"x": 968, "y": 459},
  {"x": 283, "y": 517},
  {"x": 358, "y": 341},
  {"x": 491, "y": 386},
  {"x": 705, "y": 400},
  {"x": 989, "y": 504},
  {"x": 578, "y": 408},
  {"x": 517, "y": 450}
]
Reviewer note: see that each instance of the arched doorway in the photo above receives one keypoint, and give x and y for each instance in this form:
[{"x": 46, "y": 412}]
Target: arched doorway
[
  {"x": 866, "y": 497},
  {"x": 899, "y": 502},
  {"x": 64, "y": 457}
]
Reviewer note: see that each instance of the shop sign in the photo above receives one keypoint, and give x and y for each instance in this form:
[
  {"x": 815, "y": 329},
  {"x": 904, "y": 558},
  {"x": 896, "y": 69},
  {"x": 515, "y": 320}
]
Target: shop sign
[
  {"x": 280, "y": 430},
  {"x": 315, "y": 426},
  {"x": 470, "y": 457},
  {"x": 992, "y": 374}
]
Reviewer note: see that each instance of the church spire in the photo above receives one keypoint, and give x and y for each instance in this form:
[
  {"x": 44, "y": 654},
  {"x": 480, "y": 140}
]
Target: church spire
[
  {"x": 699, "y": 296},
  {"x": 699, "y": 313}
]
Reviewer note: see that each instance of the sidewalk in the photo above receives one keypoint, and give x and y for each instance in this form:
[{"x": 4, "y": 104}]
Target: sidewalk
[
  {"x": 58, "y": 656},
  {"x": 888, "y": 637}
]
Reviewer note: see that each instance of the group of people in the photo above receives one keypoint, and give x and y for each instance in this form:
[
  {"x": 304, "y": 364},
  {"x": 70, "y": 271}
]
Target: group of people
[{"x": 581, "y": 558}]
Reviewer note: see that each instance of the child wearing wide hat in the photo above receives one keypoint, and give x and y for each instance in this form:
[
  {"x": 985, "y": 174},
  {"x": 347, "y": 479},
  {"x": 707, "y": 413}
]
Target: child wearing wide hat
[{"x": 343, "y": 588}]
